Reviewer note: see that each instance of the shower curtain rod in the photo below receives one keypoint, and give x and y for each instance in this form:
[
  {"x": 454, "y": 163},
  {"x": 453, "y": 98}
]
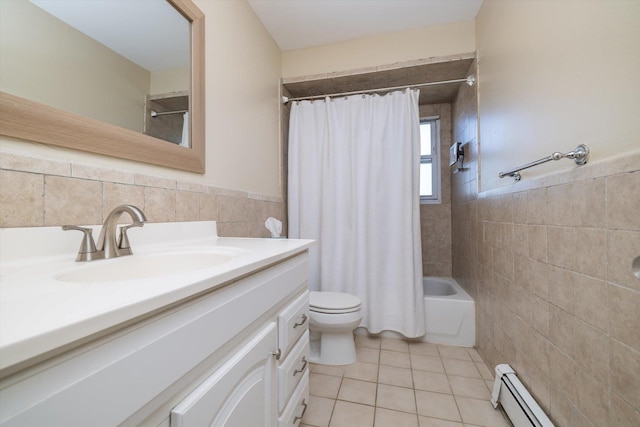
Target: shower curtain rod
[
  {"x": 154, "y": 113},
  {"x": 470, "y": 80}
]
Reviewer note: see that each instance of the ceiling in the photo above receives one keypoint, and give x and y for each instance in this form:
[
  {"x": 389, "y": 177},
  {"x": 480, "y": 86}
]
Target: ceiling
[{"x": 296, "y": 24}]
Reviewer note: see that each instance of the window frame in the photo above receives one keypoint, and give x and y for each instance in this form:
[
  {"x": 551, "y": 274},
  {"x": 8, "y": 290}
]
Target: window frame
[{"x": 434, "y": 159}]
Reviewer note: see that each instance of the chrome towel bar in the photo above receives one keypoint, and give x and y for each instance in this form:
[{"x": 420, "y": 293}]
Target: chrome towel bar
[{"x": 580, "y": 155}]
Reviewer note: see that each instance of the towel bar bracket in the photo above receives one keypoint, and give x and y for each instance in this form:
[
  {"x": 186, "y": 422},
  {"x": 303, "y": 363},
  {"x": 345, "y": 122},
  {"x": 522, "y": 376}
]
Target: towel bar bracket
[{"x": 580, "y": 155}]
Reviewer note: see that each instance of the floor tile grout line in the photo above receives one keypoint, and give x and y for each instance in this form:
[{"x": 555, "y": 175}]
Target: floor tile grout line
[
  {"x": 335, "y": 402},
  {"x": 415, "y": 397},
  {"x": 457, "y": 406}
]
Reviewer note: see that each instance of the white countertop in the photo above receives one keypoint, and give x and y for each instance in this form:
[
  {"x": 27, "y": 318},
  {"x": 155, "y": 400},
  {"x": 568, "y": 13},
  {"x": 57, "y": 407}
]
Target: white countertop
[{"x": 39, "y": 313}]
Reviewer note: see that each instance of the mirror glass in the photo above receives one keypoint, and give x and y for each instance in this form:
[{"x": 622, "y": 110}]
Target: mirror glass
[
  {"x": 124, "y": 63},
  {"x": 113, "y": 77}
]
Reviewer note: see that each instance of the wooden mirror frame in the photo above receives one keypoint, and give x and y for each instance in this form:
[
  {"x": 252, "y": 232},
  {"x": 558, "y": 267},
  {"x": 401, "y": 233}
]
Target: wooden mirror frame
[{"x": 33, "y": 121}]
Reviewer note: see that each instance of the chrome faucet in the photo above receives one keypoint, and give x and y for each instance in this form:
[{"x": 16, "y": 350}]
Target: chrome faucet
[{"x": 109, "y": 245}]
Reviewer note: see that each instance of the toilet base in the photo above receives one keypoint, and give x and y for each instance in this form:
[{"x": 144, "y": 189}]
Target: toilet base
[{"x": 333, "y": 349}]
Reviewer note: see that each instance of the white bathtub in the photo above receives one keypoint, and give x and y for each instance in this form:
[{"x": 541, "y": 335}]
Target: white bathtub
[{"x": 449, "y": 313}]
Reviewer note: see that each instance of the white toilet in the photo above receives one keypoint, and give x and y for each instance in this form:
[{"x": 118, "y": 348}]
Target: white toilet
[{"x": 332, "y": 319}]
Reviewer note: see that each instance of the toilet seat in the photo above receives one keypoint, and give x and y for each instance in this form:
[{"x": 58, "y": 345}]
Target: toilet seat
[{"x": 333, "y": 302}]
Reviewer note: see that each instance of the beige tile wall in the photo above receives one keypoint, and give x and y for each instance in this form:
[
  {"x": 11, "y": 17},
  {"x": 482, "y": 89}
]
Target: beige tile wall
[
  {"x": 548, "y": 263},
  {"x": 37, "y": 192},
  {"x": 435, "y": 220}
]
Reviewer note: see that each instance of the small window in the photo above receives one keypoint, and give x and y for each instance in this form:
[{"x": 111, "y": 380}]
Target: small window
[{"x": 429, "y": 161}]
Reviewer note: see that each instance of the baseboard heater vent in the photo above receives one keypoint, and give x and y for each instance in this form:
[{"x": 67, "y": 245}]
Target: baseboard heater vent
[{"x": 520, "y": 406}]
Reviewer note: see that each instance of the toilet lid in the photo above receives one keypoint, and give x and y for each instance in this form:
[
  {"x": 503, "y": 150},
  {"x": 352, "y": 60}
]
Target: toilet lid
[{"x": 333, "y": 302}]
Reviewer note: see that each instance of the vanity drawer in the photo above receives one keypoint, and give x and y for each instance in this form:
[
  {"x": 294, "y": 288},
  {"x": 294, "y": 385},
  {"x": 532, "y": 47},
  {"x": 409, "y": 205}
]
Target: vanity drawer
[
  {"x": 297, "y": 406},
  {"x": 292, "y": 369},
  {"x": 293, "y": 321}
]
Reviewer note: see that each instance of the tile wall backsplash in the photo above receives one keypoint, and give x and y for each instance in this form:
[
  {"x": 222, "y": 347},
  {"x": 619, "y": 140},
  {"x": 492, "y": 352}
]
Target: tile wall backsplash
[
  {"x": 36, "y": 192},
  {"x": 548, "y": 263},
  {"x": 435, "y": 219}
]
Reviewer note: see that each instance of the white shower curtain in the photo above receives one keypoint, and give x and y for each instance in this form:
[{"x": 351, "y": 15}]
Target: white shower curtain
[{"x": 353, "y": 186}]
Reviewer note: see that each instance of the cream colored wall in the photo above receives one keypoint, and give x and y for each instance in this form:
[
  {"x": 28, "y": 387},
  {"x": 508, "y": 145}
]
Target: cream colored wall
[
  {"x": 554, "y": 75},
  {"x": 242, "y": 127},
  {"x": 48, "y": 61},
  {"x": 170, "y": 80},
  {"x": 381, "y": 49},
  {"x": 242, "y": 88}
]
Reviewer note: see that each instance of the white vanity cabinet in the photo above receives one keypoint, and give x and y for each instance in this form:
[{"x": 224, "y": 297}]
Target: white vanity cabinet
[
  {"x": 244, "y": 391},
  {"x": 238, "y": 394},
  {"x": 209, "y": 360}
]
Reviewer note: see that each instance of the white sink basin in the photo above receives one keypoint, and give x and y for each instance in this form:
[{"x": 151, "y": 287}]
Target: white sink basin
[{"x": 148, "y": 266}]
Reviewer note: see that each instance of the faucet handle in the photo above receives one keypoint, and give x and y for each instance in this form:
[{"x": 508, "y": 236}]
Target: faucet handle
[
  {"x": 124, "y": 248},
  {"x": 87, "y": 250}
]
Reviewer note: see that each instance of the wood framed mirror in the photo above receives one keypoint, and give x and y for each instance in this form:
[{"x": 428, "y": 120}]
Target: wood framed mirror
[{"x": 36, "y": 121}]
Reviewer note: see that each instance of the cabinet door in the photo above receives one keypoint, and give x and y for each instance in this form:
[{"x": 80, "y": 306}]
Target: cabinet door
[{"x": 240, "y": 393}]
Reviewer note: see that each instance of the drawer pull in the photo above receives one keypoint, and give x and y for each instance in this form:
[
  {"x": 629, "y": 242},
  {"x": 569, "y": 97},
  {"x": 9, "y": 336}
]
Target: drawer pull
[
  {"x": 304, "y": 366},
  {"x": 277, "y": 354},
  {"x": 304, "y": 320},
  {"x": 304, "y": 404}
]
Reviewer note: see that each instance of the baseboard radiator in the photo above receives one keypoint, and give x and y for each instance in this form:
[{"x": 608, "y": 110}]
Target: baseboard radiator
[{"x": 512, "y": 395}]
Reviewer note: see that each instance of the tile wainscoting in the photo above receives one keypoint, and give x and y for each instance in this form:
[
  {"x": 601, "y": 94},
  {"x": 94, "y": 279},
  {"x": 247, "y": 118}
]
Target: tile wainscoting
[
  {"x": 548, "y": 262},
  {"x": 38, "y": 192}
]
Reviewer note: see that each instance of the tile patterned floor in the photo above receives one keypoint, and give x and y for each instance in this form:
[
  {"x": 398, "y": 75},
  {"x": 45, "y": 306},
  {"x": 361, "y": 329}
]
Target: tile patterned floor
[{"x": 396, "y": 383}]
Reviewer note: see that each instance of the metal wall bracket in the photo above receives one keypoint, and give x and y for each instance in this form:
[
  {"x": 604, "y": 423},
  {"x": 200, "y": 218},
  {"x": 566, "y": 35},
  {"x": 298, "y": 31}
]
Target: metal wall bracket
[{"x": 580, "y": 156}]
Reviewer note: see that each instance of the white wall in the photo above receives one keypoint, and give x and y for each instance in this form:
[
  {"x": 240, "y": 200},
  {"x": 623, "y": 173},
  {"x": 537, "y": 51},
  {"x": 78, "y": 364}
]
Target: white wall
[
  {"x": 382, "y": 49},
  {"x": 553, "y": 75},
  {"x": 242, "y": 72}
]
